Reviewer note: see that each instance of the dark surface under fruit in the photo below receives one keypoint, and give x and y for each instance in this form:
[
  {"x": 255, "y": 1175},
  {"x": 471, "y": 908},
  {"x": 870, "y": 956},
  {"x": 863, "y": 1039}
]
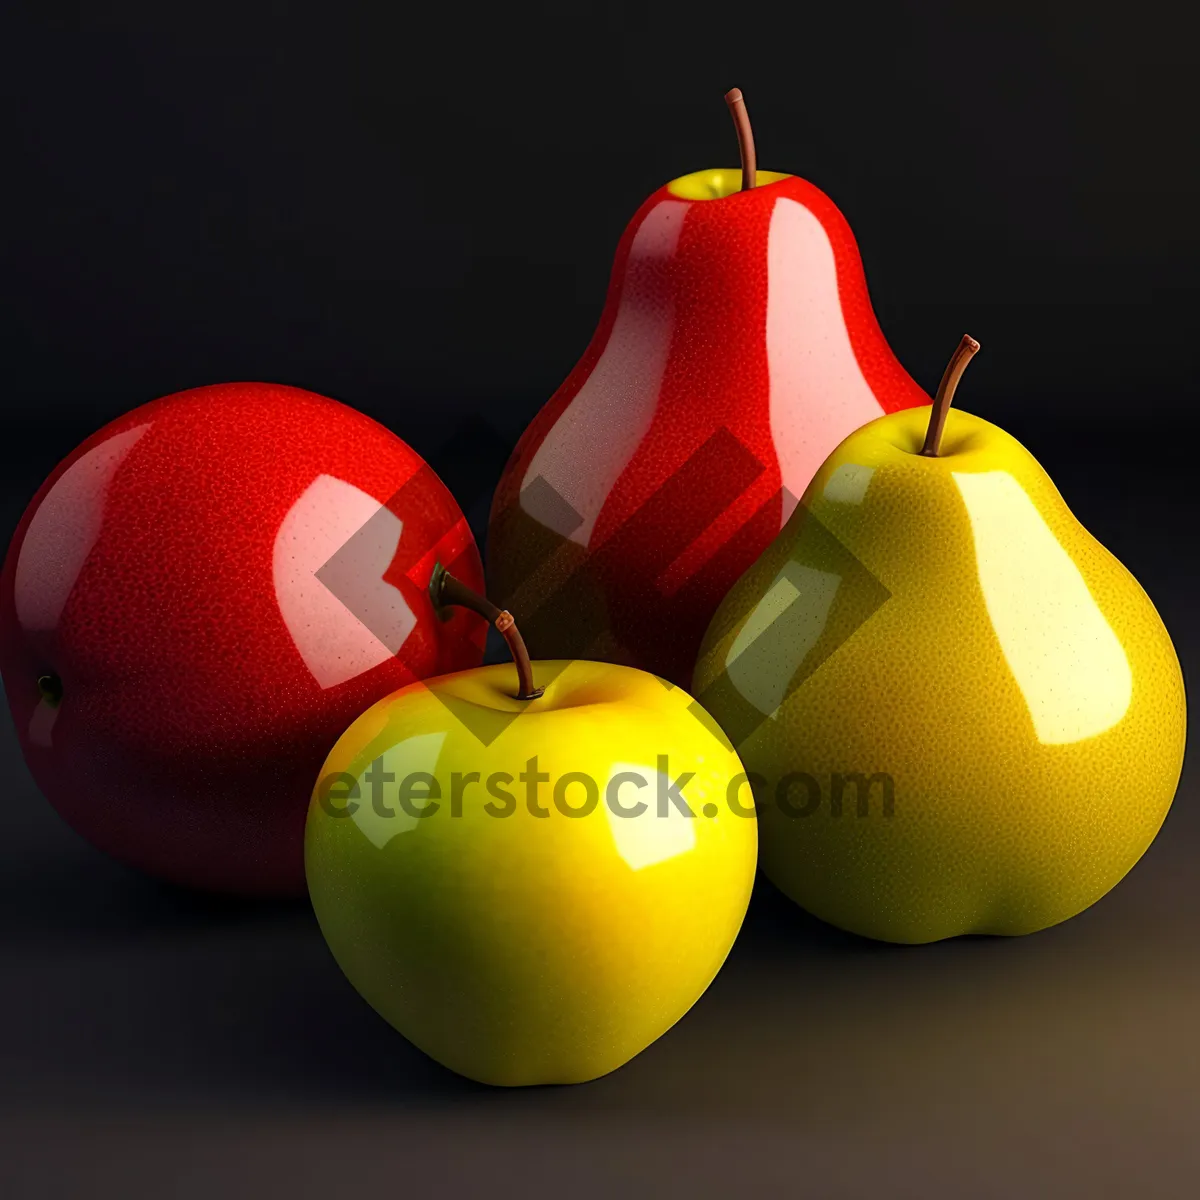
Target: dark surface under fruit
[{"x": 159, "y": 1042}]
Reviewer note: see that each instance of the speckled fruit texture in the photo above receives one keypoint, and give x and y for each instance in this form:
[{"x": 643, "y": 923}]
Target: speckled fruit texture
[
  {"x": 946, "y": 631},
  {"x": 166, "y": 573},
  {"x": 737, "y": 347}
]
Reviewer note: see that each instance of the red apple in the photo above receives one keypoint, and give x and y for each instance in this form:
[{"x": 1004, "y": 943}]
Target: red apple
[
  {"x": 737, "y": 348},
  {"x": 209, "y": 590}
]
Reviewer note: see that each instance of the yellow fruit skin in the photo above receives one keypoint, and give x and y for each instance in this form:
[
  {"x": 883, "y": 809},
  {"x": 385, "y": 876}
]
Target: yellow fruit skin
[
  {"x": 527, "y": 949},
  {"x": 717, "y": 184},
  {"x": 1032, "y": 720}
]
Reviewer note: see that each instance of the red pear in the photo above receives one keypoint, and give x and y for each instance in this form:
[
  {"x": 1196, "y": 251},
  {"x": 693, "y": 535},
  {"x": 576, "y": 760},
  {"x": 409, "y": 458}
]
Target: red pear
[
  {"x": 737, "y": 348},
  {"x": 196, "y": 604}
]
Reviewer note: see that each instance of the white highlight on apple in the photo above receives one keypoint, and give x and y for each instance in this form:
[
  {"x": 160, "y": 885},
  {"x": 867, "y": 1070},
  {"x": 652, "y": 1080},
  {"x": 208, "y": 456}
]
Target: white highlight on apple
[
  {"x": 415, "y": 755},
  {"x": 1071, "y": 668},
  {"x": 605, "y": 423},
  {"x": 63, "y": 531},
  {"x": 367, "y": 621},
  {"x": 779, "y": 633},
  {"x": 650, "y": 837},
  {"x": 818, "y": 392}
]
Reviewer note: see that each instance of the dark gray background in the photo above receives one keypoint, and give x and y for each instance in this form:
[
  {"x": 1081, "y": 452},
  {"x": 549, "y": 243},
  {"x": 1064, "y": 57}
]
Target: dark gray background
[
  {"x": 416, "y": 214},
  {"x": 402, "y": 204}
]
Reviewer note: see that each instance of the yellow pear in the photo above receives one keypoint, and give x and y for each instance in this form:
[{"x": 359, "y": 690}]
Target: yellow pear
[{"x": 960, "y": 713}]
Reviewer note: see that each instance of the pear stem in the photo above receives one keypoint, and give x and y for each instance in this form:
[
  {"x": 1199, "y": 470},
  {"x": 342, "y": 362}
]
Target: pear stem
[
  {"x": 945, "y": 394},
  {"x": 745, "y": 136},
  {"x": 446, "y": 589}
]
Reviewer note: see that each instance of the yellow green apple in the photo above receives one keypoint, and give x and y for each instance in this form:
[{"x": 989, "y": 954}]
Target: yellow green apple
[{"x": 532, "y": 890}]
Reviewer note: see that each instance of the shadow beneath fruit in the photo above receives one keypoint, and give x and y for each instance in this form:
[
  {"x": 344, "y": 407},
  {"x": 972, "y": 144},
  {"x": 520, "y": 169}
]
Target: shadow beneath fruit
[
  {"x": 776, "y": 927},
  {"x": 88, "y": 896},
  {"x": 124, "y": 988},
  {"x": 114, "y": 988}
]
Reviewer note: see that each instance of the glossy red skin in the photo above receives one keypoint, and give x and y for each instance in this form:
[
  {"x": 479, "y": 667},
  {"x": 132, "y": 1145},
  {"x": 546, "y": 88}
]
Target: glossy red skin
[
  {"x": 716, "y": 376},
  {"x": 191, "y": 730}
]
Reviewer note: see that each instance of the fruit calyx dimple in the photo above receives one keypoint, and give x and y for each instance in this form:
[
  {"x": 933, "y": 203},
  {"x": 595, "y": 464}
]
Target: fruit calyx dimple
[
  {"x": 50, "y": 689},
  {"x": 716, "y": 185},
  {"x": 719, "y": 183}
]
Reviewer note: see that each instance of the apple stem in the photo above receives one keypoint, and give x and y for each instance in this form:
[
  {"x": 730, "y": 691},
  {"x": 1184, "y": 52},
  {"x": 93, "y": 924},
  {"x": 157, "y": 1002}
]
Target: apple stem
[
  {"x": 446, "y": 589},
  {"x": 945, "y": 394},
  {"x": 745, "y": 136}
]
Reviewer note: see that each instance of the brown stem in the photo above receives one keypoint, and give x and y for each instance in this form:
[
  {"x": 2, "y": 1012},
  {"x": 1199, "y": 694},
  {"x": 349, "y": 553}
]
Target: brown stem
[
  {"x": 945, "y": 394},
  {"x": 445, "y": 589},
  {"x": 745, "y": 136}
]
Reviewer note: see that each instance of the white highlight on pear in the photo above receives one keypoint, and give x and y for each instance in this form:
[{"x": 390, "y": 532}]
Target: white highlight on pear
[
  {"x": 848, "y": 484},
  {"x": 818, "y": 392},
  {"x": 414, "y": 755},
  {"x": 779, "y": 633},
  {"x": 610, "y": 414},
  {"x": 1068, "y": 663},
  {"x": 650, "y": 837},
  {"x": 335, "y": 517},
  {"x": 63, "y": 531}
]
